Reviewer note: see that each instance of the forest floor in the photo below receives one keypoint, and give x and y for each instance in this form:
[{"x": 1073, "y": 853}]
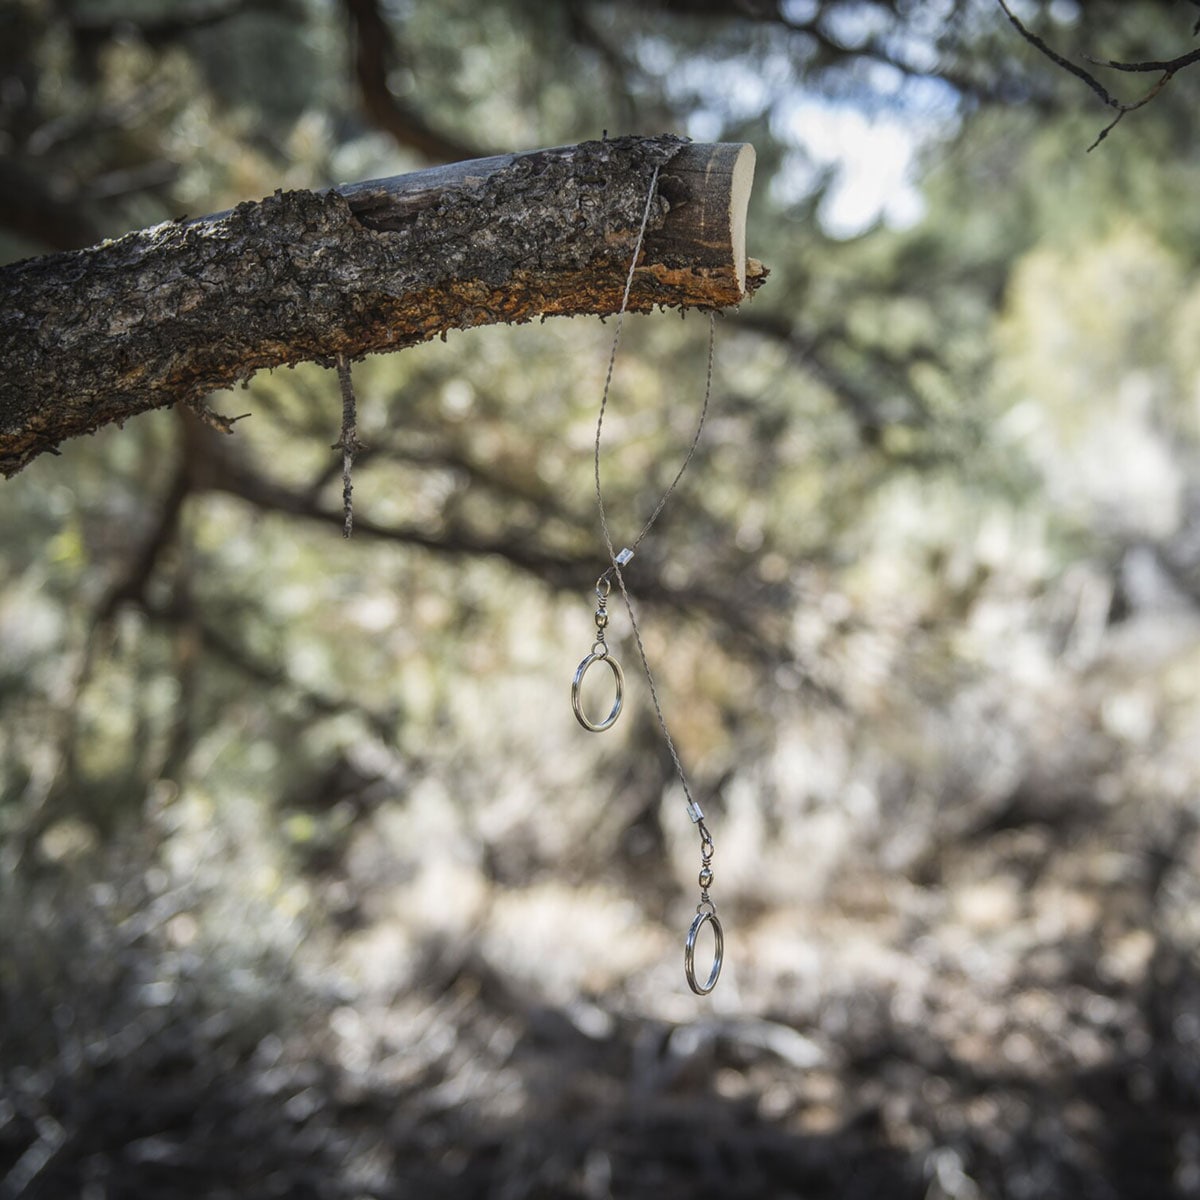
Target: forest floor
[{"x": 1014, "y": 1020}]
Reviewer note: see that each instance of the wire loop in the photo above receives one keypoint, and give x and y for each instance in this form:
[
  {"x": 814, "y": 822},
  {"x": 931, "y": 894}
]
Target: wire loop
[{"x": 706, "y": 912}]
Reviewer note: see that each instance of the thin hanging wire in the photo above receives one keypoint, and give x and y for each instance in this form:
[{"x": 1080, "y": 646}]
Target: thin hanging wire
[{"x": 694, "y": 810}]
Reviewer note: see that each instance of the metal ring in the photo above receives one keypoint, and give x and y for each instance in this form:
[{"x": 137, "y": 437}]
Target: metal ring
[
  {"x": 577, "y": 684},
  {"x": 689, "y": 952}
]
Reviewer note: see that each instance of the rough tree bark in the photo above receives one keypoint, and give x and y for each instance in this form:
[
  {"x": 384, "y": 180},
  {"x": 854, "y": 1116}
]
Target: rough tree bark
[{"x": 168, "y": 314}]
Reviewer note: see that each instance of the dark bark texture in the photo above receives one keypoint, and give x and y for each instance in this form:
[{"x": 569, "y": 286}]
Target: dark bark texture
[{"x": 169, "y": 314}]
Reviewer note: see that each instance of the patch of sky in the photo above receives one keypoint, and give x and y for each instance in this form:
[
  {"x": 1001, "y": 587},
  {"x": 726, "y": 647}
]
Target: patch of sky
[{"x": 859, "y": 137}]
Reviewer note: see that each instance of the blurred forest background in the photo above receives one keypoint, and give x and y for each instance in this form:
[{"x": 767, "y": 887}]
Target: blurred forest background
[{"x": 311, "y": 886}]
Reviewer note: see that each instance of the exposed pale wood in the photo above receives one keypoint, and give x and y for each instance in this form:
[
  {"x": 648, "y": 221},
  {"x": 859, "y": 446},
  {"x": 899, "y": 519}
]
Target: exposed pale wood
[{"x": 169, "y": 314}]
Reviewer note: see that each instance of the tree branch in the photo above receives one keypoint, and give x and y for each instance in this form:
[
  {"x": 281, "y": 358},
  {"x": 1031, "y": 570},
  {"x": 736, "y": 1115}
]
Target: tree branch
[
  {"x": 169, "y": 314},
  {"x": 1168, "y": 67},
  {"x": 32, "y": 210},
  {"x": 217, "y": 465},
  {"x": 374, "y": 48},
  {"x": 131, "y": 585},
  {"x": 814, "y": 23},
  {"x": 89, "y": 30},
  {"x": 1067, "y": 65}
]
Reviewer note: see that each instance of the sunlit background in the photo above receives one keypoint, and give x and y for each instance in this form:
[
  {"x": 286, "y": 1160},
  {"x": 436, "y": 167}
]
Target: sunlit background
[{"x": 310, "y": 883}]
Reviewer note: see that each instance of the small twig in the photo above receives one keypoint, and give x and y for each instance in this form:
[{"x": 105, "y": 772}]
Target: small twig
[
  {"x": 1168, "y": 67},
  {"x": 348, "y": 443},
  {"x": 1056, "y": 58},
  {"x": 214, "y": 420},
  {"x": 1128, "y": 108}
]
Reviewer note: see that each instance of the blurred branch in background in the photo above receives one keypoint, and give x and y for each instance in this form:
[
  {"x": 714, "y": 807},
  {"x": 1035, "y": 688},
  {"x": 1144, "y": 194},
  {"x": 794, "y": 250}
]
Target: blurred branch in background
[
  {"x": 375, "y": 53},
  {"x": 31, "y": 211},
  {"x": 1166, "y": 69}
]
